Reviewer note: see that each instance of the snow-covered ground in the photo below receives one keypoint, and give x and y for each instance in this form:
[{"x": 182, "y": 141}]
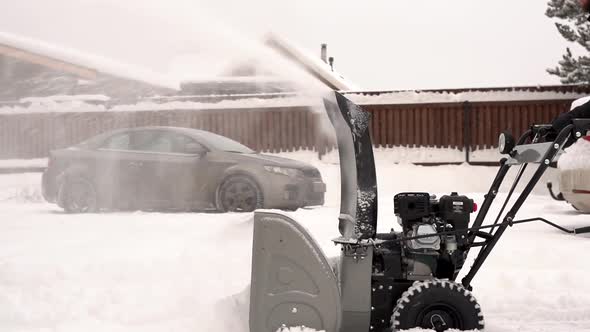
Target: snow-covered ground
[{"x": 181, "y": 272}]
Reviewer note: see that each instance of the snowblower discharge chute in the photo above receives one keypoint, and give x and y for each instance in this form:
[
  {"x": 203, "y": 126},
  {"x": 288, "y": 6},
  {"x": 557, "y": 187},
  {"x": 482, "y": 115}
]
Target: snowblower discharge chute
[{"x": 392, "y": 281}]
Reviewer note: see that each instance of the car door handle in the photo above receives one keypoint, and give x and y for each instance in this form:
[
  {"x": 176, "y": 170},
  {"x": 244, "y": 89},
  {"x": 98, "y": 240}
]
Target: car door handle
[{"x": 135, "y": 164}]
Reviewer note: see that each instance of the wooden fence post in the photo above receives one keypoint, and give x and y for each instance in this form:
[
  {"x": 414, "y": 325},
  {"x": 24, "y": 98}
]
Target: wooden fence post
[{"x": 467, "y": 107}]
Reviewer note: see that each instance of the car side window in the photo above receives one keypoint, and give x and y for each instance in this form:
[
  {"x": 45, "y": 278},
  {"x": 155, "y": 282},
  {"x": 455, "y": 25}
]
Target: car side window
[
  {"x": 120, "y": 141},
  {"x": 145, "y": 140},
  {"x": 161, "y": 141},
  {"x": 188, "y": 145}
]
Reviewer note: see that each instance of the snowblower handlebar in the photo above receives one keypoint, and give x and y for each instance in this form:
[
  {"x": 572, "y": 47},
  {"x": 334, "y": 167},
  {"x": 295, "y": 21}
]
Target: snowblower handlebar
[
  {"x": 522, "y": 153},
  {"x": 534, "y": 152},
  {"x": 581, "y": 126},
  {"x": 541, "y": 129}
]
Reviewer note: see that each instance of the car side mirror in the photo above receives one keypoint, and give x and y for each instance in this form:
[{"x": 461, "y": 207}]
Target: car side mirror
[{"x": 196, "y": 149}]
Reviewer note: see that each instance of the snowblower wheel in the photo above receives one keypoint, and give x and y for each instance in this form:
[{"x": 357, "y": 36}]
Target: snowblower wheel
[
  {"x": 239, "y": 194},
  {"x": 438, "y": 305}
]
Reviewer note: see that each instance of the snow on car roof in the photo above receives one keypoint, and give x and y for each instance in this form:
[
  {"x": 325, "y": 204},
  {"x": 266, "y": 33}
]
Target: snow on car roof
[{"x": 186, "y": 130}]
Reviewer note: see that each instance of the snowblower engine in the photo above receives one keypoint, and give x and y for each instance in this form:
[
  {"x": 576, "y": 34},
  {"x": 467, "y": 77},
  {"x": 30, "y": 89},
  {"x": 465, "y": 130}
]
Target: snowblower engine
[{"x": 424, "y": 254}]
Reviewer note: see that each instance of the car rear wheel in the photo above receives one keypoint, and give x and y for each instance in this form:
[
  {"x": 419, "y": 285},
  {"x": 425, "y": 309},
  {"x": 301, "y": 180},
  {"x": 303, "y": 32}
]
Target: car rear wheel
[
  {"x": 239, "y": 194},
  {"x": 78, "y": 195}
]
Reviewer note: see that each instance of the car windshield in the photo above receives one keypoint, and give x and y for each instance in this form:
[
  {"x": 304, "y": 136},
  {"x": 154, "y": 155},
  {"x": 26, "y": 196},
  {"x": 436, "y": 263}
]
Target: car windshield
[{"x": 221, "y": 143}]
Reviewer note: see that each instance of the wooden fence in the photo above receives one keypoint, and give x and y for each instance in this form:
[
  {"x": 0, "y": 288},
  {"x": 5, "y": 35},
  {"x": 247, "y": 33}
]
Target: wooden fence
[
  {"x": 467, "y": 126},
  {"x": 460, "y": 125},
  {"x": 270, "y": 130}
]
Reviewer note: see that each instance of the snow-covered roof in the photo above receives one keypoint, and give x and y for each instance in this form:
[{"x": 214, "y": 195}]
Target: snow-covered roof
[
  {"x": 98, "y": 103},
  {"x": 529, "y": 93},
  {"x": 66, "y": 98},
  {"x": 90, "y": 103},
  {"x": 77, "y": 62},
  {"x": 313, "y": 64}
]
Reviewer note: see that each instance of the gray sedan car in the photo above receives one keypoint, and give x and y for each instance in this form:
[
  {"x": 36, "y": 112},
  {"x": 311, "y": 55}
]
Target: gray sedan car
[{"x": 172, "y": 168}]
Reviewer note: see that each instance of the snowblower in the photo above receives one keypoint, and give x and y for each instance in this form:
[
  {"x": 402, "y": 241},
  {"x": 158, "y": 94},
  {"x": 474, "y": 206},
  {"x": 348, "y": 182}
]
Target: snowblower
[{"x": 397, "y": 280}]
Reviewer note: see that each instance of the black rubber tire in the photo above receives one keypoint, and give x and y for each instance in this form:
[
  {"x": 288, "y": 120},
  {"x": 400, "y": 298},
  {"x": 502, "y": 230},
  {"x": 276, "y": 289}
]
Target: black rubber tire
[
  {"x": 239, "y": 193},
  {"x": 78, "y": 195},
  {"x": 429, "y": 303}
]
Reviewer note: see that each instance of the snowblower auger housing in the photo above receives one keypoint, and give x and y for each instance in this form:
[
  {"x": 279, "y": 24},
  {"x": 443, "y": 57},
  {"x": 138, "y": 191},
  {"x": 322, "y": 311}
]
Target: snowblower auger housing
[{"x": 397, "y": 280}]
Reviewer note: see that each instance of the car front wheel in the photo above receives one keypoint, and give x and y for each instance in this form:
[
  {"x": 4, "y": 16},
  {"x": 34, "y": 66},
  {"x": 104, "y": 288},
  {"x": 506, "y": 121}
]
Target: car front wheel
[
  {"x": 239, "y": 194},
  {"x": 77, "y": 195}
]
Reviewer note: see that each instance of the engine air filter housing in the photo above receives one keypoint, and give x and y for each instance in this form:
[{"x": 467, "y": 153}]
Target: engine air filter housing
[{"x": 412, "y": 206}]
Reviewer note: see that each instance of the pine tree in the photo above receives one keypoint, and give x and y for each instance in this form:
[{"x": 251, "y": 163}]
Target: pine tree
[{"x": 573, "y": 25}]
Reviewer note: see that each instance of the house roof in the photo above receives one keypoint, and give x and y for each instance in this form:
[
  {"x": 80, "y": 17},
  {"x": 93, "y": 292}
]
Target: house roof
[
  {"x": 86, "y": 66},
  {"x": 522, "y": 93}
]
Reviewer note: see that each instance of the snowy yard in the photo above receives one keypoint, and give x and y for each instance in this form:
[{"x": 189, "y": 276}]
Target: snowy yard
[{"x": 179, "y": 272}]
